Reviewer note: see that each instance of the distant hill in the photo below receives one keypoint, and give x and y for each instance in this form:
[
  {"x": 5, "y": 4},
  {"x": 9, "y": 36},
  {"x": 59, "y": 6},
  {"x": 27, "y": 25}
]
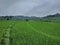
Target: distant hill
[
  {"x": 19, "y": 18},
  {"x": 49, "y": 18},
  {"x": 52, "y": 18}
]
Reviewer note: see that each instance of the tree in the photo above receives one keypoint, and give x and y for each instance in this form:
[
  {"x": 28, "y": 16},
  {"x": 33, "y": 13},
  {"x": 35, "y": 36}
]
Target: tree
[{"x": 27, "y": 20}]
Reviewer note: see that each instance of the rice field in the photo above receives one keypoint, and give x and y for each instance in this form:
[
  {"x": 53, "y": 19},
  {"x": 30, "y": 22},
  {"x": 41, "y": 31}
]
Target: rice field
[{"x": 30, "y": 32}]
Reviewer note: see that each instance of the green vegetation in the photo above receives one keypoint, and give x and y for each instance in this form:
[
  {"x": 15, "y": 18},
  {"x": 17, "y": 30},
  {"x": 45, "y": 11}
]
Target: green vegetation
[{"x": 31, "y": 32}]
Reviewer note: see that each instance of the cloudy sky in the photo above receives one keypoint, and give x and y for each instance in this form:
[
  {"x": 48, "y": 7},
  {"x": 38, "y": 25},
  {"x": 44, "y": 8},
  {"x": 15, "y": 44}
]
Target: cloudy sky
[{"x": 29, "y": 7}]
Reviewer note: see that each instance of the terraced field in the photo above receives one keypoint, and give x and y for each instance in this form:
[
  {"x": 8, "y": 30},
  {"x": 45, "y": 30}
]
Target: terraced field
[{"x": 31, "y": 32}]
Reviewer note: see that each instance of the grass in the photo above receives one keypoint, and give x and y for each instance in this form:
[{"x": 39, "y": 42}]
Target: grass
[{"x": 32, "y": 32}]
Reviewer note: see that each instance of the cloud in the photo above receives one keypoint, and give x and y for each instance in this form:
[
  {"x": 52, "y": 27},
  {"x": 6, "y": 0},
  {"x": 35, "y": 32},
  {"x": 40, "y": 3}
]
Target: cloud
[
  {"x": 49, "y": 7},
  {"x": 4, "y": 4},
  {"x": 29, "y": 7},
  {"x": 20, "y": 8}
]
